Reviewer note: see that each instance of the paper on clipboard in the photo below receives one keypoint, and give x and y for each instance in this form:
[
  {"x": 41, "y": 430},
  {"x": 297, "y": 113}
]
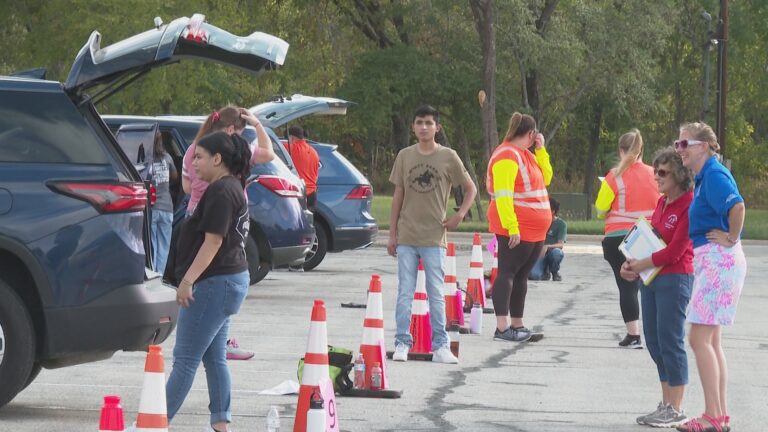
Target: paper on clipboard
[{"x": 639, "y": 243}]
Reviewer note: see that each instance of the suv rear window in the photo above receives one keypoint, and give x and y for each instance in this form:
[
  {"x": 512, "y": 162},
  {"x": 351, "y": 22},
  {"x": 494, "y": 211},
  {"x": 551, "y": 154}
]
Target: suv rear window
[{"x": 46, "y": 128}]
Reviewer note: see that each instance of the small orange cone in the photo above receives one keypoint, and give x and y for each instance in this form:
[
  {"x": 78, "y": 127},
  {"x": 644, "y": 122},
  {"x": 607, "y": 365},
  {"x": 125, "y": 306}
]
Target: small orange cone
[
  {"x": 475, "y": 288},
  {"x": 315, "y": 364},
  {"x": 453, "y": 311},
  {"x": 421, "y": 329},
  {"x": 153, "y": 411},
  {"x": 373, "y": 333},
  {"x": 111, "y": 415}
]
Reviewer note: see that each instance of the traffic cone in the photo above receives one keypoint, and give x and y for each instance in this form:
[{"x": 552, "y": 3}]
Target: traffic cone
[
  {"x": 111, "y": 415},
  {"x": 475, "y": 288},
  {"x": 494, "y": 273},
  {"x": 373, "y": 333},
  {"x": 421, "y": 329},
  {"x": 153, "y": 412},
  {"x": 315, "y": 364},
  {"x": 453, "y": 310}
]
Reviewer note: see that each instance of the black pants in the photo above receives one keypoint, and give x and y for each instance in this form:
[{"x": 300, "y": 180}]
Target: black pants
[
  {"x": 511, "y": 283},
  {"x": 630, "y": 308},
  {"x": 312, "y": 200}
]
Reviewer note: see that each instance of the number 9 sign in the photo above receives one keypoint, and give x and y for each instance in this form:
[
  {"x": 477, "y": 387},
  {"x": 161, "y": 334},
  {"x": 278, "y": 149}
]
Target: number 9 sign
[{"x": 329, "y": 396}]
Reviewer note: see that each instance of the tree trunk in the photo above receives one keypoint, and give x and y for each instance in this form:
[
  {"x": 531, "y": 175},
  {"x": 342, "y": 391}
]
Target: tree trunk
[
  {"x": 471, "y": 169},
  {"x": 400, "y": 132},
  {"x": 594, "y": 145},
  {"x": 482, "y": 10}
]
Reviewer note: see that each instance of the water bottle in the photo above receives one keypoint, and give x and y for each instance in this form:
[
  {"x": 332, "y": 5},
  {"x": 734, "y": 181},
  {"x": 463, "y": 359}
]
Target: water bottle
[
  {"x": 360, "y": 372},
  {"x": 273, "y": 420},
  {"x": 316, "y": 414},
  {"x": 476, "y": 319},
  {"x": 376, "y": 376}
]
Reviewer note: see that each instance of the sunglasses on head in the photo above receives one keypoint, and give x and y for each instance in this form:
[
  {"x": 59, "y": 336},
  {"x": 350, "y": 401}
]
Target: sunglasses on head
[
  {"x": 684, "y": 143},
  {"x": 661, "y": 172}
]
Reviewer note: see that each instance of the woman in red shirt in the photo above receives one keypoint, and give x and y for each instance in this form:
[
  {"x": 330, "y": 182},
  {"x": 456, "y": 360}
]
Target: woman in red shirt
[{"x": 665, "y": 300}]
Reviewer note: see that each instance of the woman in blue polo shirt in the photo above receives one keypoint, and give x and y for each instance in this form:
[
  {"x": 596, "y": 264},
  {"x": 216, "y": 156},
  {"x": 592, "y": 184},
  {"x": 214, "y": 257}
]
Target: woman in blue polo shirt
[{"x": 716, "y": 218}]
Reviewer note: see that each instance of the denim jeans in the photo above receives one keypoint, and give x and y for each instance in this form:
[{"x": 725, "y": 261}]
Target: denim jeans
[
  {"x": 663, "y": 305},
  {"x": 407, "y": 267},
  {"x": 162, "y": 224},
  {"x": 550, "y": 262},
  {"x": 201, "y": 335}
]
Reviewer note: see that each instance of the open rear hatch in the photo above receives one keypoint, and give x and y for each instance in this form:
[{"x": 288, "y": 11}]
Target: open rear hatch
[
  {"x": 119, "y": 64},
  {"x": 281, "y": 110}
]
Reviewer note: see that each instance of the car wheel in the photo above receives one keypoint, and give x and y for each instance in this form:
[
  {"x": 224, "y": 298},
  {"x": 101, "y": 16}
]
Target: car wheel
[
  {"x": 17, "y": 344},
  {"x": 257, "y": 269},
  {"x": 36, "y": 368},
  {"x": 319, "y": 248}
]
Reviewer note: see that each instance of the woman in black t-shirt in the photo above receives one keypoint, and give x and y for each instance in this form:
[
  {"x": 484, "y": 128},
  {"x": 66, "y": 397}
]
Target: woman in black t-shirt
[{"x": 213, "y": 271}]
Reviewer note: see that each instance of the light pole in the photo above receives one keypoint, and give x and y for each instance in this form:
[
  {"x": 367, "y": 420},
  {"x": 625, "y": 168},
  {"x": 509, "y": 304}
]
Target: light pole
[{"x": 708, "y": 46}]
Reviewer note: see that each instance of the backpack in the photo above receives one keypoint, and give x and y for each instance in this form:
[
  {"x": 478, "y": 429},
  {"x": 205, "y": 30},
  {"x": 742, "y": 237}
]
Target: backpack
[{"x": 339, "y": 366}]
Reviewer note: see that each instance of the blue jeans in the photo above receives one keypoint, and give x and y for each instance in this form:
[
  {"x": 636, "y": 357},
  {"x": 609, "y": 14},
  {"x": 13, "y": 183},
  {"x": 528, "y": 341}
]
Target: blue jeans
[
  {"x": 162, "y": 224},
  {"x": 201, "y": 335},
  {"x": 549, "y": 263},
  {"x": 407, "y": 267},
  {"x": 663, "y": 306}
]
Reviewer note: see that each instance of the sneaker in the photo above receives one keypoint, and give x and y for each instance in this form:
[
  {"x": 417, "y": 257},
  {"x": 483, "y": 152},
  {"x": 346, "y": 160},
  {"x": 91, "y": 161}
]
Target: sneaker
[
  {"x": 631, "y": 342},
  {"x": 669, "y": 417},
  {"x": 401, "y": 352},
  {"x": 299, "y": 269},
  {"x": 511, "y": 335},
  {"x": 659, "y": 408},
  {"x": 234, "y": 352},
  {"x": 545, "y": 276},
  {"x": 444, "y": 355},
  {"x": 556, "y": 277}
]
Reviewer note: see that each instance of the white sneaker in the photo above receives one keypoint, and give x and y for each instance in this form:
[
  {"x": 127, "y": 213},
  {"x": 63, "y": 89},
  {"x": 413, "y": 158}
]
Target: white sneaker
[
  {"x": 444, "y": 355},
  {"x": 401, "y": 352}
]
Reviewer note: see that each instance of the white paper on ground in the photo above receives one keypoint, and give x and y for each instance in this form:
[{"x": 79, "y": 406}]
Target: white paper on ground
[{"x": 287, "y": 387}]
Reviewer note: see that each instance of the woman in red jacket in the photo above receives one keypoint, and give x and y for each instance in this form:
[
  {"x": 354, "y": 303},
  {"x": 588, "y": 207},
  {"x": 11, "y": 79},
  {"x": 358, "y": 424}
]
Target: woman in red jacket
[{"x": 665, "y": 299}]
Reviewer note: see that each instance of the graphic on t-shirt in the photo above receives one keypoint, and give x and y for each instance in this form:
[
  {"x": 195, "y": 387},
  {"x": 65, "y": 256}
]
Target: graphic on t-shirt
[
  {"x": 242, "y": 227},
  {"x": 423, "y": 178},
  {"x": 162, "y": 173}
]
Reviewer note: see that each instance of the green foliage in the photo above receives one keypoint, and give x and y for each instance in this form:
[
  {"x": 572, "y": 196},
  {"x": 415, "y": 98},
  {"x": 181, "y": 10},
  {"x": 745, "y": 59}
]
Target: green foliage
[{"x": 604, "y": 66}]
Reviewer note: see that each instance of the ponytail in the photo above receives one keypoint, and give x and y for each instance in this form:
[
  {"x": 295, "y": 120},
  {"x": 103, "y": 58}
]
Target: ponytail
[
  {"x": 631, "y": 143},
  {"x": 220, "y": 120},
  {"x": 519, "y": 125}
]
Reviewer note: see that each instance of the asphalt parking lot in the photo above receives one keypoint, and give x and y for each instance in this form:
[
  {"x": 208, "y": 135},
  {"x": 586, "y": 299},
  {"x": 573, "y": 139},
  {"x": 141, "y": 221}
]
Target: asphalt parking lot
[{"x": 575, "y": 379}]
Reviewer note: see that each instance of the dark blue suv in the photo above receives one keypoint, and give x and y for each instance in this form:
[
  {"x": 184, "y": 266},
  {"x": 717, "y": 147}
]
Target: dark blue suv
[{"x": 74, "y": 279}]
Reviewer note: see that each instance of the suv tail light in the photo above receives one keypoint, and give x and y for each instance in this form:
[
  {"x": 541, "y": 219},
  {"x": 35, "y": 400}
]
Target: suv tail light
[
  {"x": 106, "y": 197},
  {"x": 152, "y": 194},
  {"x": 361, "y": 192},
  {"x": 279, "y": 185},
  {"x": 194, "y": 31}
]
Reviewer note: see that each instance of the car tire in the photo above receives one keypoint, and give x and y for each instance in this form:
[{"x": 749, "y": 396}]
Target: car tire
[
  {"x": 318, "y": 250},
  {"x": 258, "y": 270},
  {"x": 36, "y": 368},
  {"x": 17, "y": 336}
]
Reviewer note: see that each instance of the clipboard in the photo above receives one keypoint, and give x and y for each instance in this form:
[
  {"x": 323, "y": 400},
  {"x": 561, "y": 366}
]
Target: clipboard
[{"x": 641, "y": 242}]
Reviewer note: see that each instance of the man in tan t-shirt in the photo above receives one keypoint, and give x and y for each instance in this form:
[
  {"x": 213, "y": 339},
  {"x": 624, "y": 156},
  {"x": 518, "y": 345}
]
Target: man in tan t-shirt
[{"x": 423, "y": 175}]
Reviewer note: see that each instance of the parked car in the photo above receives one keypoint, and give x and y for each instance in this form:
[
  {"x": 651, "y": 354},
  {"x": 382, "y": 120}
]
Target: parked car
[
  {"x": 75, "y": 285},
  {"x": 343, "y": 219},
  {"x": 281, "y": 231}
]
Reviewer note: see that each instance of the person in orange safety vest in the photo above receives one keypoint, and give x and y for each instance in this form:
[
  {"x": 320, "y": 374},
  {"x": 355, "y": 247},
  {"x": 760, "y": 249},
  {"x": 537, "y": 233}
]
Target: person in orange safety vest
[
  {"x": 627, "y": 192},
  {"x": 519, "y": 216}
]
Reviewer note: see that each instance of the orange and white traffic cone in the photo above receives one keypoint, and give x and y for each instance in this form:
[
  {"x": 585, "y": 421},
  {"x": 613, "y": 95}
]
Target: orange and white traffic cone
[
  {"x": 494, "y": 273},
  {"x": 421, "y": 329},
  {"x": 153, "y": 411},
  {"x": 315, "y": 364},
  {"x": 475, "y": 288},
  {"x": 111, "y": 415},
  {"x": 453, "y": 310},
  {"x": 373, "y": 333}
]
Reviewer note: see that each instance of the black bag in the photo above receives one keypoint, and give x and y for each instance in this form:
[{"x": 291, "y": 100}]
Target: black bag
[{"x": 339, "y": 366}]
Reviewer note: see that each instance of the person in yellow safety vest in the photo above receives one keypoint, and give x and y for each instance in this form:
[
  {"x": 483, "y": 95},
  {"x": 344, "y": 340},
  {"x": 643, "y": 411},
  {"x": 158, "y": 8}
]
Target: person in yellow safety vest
[
  {"x": 627, "y": 192},
  {"x": 519, "y": 216}
]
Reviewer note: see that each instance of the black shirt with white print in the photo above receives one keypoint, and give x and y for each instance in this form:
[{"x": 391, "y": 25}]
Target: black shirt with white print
[{"x": 222, "y": 210}]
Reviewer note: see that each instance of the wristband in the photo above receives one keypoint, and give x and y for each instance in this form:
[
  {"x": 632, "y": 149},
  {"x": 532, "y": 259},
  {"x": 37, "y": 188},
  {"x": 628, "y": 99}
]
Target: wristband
[{"x": 730, "y": 240}]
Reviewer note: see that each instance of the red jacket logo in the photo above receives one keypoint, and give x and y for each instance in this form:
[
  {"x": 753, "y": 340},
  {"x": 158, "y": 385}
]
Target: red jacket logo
[{"x": 671, "y": 221}]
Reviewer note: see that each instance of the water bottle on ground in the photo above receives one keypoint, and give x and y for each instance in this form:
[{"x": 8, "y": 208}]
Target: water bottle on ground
[
  {"x": 316, "y": 414},
  {"x": 360, "y": 372},
  {"x": 273, "y": 420},
  {"x": 376, "y": 376},
  {"x": 476, "y": 319}
]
